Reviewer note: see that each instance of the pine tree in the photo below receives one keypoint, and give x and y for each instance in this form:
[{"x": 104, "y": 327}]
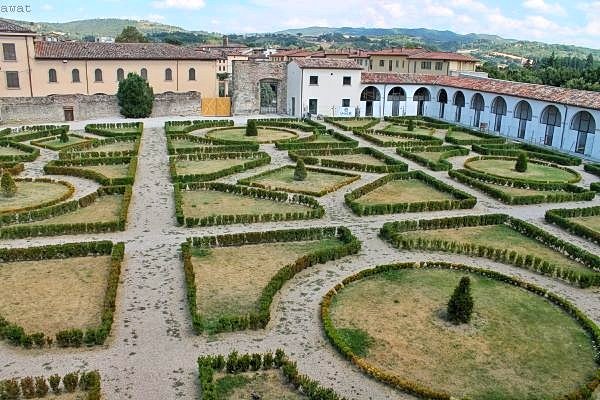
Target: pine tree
[
  {"x": 7, "y": 185},
  {"x": 411, "y": 125},
  {"x": 251, "y": 129},
  {"x": 130, "y": 34},
  {"x": 521, "y": 165},
  {"x": 135, "y": 97},
  {"x": 300, "y": 171},
  {"x": 460, "y": 306}
]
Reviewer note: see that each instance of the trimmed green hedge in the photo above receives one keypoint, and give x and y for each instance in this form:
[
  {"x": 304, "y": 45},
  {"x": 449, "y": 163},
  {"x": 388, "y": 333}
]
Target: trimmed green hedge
[
  {"x": 441, "y": 164},
  {"x": 582, "y": 391},
  {"x": 254, "y": 159},
  {"x": 28, "y": 387},
  {"x": 417, "y": 139},
  {"x": 116, "y": 129},
  {"x": 259, "y": 319},
  {"x": 218, "y": 141},
  {"x": 463, "y": 200},
  {"x": 33, "y": 152},
  {"x": 535, "y": 152},
  {"x": 311, "y": 142},
  {"x": 335, "y": 122},
  {"x": 73, "y": 167},
  {"x": 595, "y": 170},
  {"x": 41, "y": 142},
  {"x": 564, "y": 191},
  {"x": 352, "y": 177},
  {"x": 17, "y": 336},
  {"x": 485, "y": 138},
  {"x": 206, "y": 145},
  {"x": 67, "y": 195},
  {"x": 13, "y": 168},
  {"x": 175, "y": 127},
  {"x": 86, "y": 150},
  {"x": 288, "y": 123},
  {"x": 391, "y": 232},
  {"x": 316, "y": 212},
  {"x": 561, "y": 217},
  {"x": 234, "y": 363},
  {"x": 11, "y": 228},
  {"x": 37, "y": 132},
  {"x": 314, "y": 157}
]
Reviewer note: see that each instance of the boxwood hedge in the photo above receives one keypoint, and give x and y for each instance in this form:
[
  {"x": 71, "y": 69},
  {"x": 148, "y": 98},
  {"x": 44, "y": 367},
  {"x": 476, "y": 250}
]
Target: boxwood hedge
[
  {"x": 251, "y": 160},
  {"x": 316, "y": 157},
  {"x": 440, "y": 165},
  {"x": 116, "y": 129},
  {"x": 562, "y": 217}
]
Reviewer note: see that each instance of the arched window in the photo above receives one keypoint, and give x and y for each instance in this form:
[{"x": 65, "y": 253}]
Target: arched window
[
  {"x": 477, "y": 104},
  {"x": 523, "y": 113},
  {"x": 369, "y": 95},
  {"x": 120, "y": 74},
  {"x": 583, "y": 122},
  {"x": 192, "y": 74},
  {"x": 75, "y": 75},
  {"x": 168, "y": 74},
  {"x": 144, "y": 73},
  {"x": 499, "y": 110},
  {"x": 52, "y": 75},
  {"x": 551, "y": 118},
  {"x": 421, "y": 96},
  {"x": 396, "y": 95},
  {"x": 443, "y": 100},
  {"x": 98, "y": 75},
  {"x": 459, "y": 102}
]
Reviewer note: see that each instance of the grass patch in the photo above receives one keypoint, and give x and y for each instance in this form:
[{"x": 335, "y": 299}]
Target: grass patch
[
  {"x": 536, "y": 172},
  {"x": 55, "y": 143},
  {"x": 265, "y": 135},
  {"x": 185, "y": 167},
  {"x": 592, "y": 222},
  {"x": 404, "y": 129},
  {"x": 7, "y": 150},
  {"x": 403, "y": 191},
  {"x": 269, "y": 384},
  {"x": 210, "y": 166},
  {"x": 518, "y": 346},
  {"x": 35, "y": 194},
  {"x": 357, "y": 340}
]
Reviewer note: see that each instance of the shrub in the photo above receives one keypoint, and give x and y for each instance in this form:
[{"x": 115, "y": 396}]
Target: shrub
[
  {"x": 70, "y": 381},
  {"x": 521, "y": 165},
  {"x": 300, "y": 171},
  {"x": 41, "y": 387},
  {"x": 411, "y": 125},
  {"x": 268, "y": 361},
  {"x": 279, "y": 357},
  {"x": 54, "y": 381},
  {"x": 8, "y": 188},
  {"x": 135, "y": 97},
  {"x": 255, "y": 362},
  {"x": 251, "y": 129},
  {"x": 28, "y": 387},
  {"x": 64, "y": 137},
  {"x": 460, "y": 306},
  {"x": 12, "y": 390}
]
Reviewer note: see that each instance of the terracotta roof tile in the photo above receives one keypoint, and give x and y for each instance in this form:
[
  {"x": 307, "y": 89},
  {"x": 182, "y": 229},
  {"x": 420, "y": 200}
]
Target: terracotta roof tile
[
  {"x": 327, "y": 63},
  {"x": 442, "y": 55},
  {"x": 6, "y": 26}
]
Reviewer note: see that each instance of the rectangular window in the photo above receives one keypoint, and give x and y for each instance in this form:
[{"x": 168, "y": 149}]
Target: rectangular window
[
  {"x": 8, "y": 49},
  {"x": 438, "y": 66},
  {"x": 382, "y": 63},
  {"x": 312, "y": 106},
  {"x": 347, "y": 80},
  {"x": 12, "y": 79},
  {"x": 397, "y": 63},
  {"x": 425, "y": 64},
  {"x": 390, "y": 65},
  {"x": 345, "y": 102},
  {"x": 402, "y": 64},
  {"x": 313, "y": 80}
]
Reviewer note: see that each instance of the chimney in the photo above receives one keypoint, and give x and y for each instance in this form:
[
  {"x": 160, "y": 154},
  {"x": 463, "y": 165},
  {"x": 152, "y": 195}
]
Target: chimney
[{"x": 225, "y": 41}]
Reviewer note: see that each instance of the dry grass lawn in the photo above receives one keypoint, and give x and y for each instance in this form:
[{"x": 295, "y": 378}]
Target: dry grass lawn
[
  {"x": 265, "y": 135},
  {"x": 30, "y": 194},
  {"x": 185, "y": 167},
  {"x": 203, "y": 203},
  {"x": 391, "y": 138},
  {"x": 268, "y": 385},
  {"x": 56, "y": 144},
  {"x": 110, "y": 171},
  {"x": 518, "y": 346},
  {"x": 535, "y": 172},
  {"x": 11, "y": 151},
  {"x": 354, "y": 123},
  {"x": 404, "y": 191},
  {"x": 464, "y": 135},
  {"x": 52, "y": 295},
  {"x": 404, "y": 129},
  {"x": 325, "y": 139},
  {"x": 521, "y": 191},
  {"x": 592, "y": 222},
  {"x": 230, "y": 280},
  {"x": 355, "y": 158},
  {"x": 117, "y": 146},
  {"x": 185, "y": 144}
]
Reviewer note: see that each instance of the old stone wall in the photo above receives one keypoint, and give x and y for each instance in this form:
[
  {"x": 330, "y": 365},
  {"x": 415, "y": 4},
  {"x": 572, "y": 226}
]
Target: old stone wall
[
  {"x": 246, "y": 77},
  {"x": 15, "y": 110}
]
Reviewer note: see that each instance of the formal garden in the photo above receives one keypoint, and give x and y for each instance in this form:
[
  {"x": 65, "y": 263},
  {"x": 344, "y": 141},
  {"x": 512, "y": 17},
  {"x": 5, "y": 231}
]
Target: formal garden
[{"x": 348, "y": 258}]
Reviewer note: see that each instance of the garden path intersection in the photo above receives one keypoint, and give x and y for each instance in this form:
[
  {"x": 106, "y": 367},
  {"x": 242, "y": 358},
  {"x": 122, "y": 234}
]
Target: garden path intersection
[{"x": 152, "y": 350}]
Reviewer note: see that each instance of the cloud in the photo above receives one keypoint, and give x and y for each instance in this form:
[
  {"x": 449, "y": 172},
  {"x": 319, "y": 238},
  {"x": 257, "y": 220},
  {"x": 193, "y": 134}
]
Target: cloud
[
  {"x": 544, "y": 7},
  {"x": 180, "y": 4}
]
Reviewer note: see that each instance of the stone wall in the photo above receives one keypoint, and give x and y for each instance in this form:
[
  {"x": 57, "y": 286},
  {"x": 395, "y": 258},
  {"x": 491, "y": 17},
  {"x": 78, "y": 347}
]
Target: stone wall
[
  {"x": 246, "y": 77},
  {"x": 15, "y": 110}
]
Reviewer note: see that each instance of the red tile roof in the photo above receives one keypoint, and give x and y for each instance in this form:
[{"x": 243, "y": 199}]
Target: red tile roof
[
  {"x": 9, "y": 27},
  {"x": 118, "y": 51},
  {"x": 442, "y": 55},
  {"x": 327, "y": 63},
  {"x": 396, "y": 51},
  {"x": 572, "y": 97}
]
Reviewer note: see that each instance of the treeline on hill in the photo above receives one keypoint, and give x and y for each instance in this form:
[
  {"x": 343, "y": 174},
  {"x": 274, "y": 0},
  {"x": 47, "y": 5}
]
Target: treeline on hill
[{"x": 569, "y": 72}]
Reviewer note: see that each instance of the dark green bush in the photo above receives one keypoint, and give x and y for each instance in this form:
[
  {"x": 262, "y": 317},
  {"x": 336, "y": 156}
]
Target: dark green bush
[
  {"x": 460, "y": 305},
  {"x": 251, "y": 129},
  {"x": 8, "y": 186},
  {"x": 28, "y": 387},
  {"x": 41, "y": 386},
  {"x": 54, "y": 381},
  {"x": 135, "y": 97},
  {"x": 521, "y": 165},
  {"x": 70, "y": 381},
  {"x": 300, "y": 171}
]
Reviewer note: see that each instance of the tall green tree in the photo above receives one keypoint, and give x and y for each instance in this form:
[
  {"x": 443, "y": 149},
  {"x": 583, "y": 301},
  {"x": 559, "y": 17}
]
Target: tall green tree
[
  {"x": 460, "y": 306},
  {"x": 135, "y": 97},
  {"x": 130, "y": 34},
  {"x": 8, "y": 188}
]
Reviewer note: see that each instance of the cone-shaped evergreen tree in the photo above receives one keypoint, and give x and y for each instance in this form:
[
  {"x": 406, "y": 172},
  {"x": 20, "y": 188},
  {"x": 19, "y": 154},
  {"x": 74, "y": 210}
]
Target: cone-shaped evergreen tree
[
  {"x": 300, "y": 171},
  {"x": 251, "y": 129},
  {"x": 135, "y": 97},
  {"x": 460, "y": 306},
  {"x": 411, "y": 125},
  {"x": 64, "y": 137},
  {"x": 521, "y": 165},
  {"x": 8, "y": 188}
]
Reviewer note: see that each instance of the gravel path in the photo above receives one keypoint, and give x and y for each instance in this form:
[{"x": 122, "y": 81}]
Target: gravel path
[{"x": 152, "y": 351}]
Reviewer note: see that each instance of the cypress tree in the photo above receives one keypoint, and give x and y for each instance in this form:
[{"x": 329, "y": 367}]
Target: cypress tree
[
  {"x": 521, "y": 165},
  {"x": 460, "y": 306},
  {"x": 135, "y": 97},
  {"x": 7, "y": 185},
  {"x": 300, "y": 171},
  {"x": 251, "y": 129},
  {"x": 411, "y": 125}
]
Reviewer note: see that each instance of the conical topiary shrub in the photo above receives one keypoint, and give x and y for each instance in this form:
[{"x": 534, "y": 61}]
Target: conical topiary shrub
[
  {"x": 460, "y": 306},
  {"x": 521, "y": 165},
  {"x": 8, "y": 187},
  {"x": 251, "y": 129},
  {"x": 300, "y": 171},
  {"x": 411, "y": 125},
  {"x": 64, "y": 137}
]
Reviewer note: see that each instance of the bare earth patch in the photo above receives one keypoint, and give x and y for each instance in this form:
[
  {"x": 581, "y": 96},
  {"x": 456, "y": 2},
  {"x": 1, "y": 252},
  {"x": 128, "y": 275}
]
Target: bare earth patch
[
  {"x": 185, "y": 167},
  {"x": 404, "y": 191},
  {"x": 30, "y": 194},
  {"x": 52, "y": 295}
]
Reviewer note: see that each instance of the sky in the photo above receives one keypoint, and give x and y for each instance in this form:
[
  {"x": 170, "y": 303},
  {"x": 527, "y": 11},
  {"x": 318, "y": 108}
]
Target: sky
[{"x": 553, "y": 21}]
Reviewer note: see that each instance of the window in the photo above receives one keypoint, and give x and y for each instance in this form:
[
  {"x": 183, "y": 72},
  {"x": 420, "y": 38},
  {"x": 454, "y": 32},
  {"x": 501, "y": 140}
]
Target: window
[
  {"x": 192, "y": 74},
  {"x": 397, "y": 63},
  {"x": 75, "y": 75},
  {"x": 12, "y": 80},
  {"x": 9, "y": 52},
  {"x": 382, "y": 63},
  {"x": 52, "y": 75},
  {"x": 120, "y": 74},
  {"x": 98, "y": 75},
  {"x": 347, "y": 80},
  {"x": 144, "y": 73},
  {"x": 168, "y": 74},
  {"x": 345, "y": 102},
  {"x": 313, "y": 80},
  {"x": 221, "y": 89},
  {"x": 312, "y": 106},
  {"x": 390, "y": 65},
  {"x": 425, "y": 64},
  {"x": 438, "y": 66}
]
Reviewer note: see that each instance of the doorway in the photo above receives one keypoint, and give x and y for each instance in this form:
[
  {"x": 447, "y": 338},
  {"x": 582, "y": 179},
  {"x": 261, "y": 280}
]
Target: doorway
[{"x": 69, "y": 114}]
